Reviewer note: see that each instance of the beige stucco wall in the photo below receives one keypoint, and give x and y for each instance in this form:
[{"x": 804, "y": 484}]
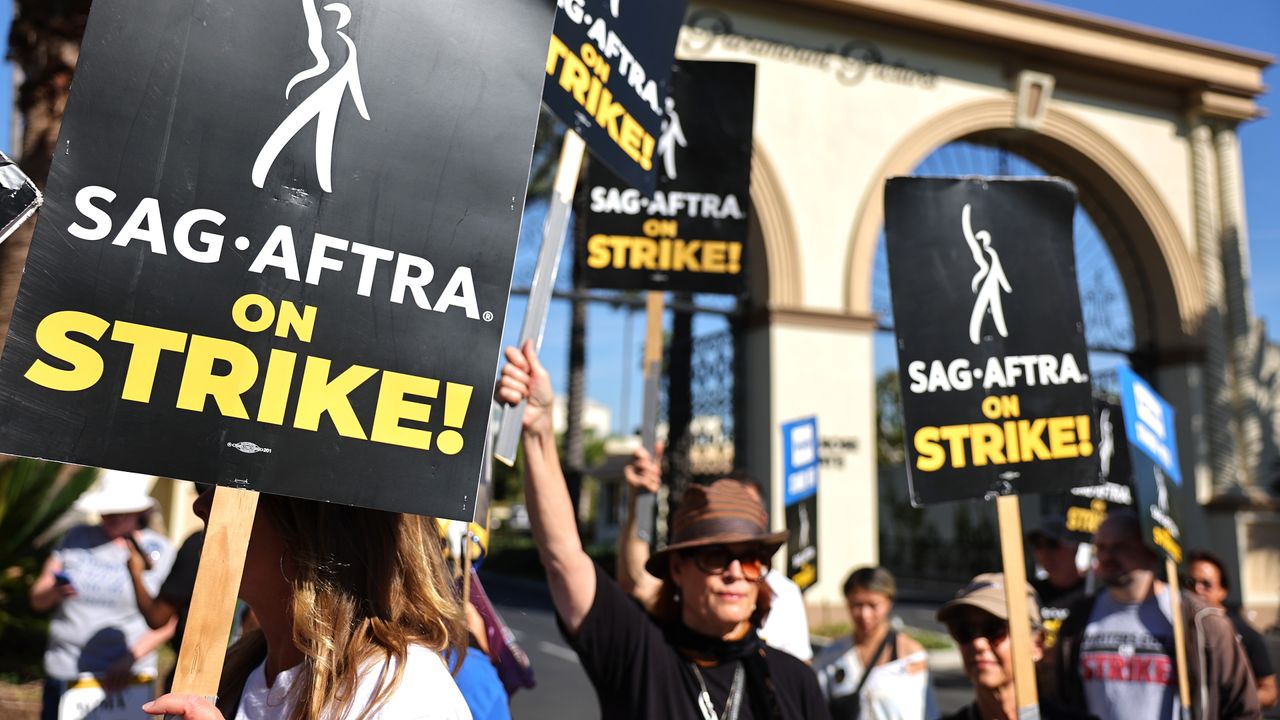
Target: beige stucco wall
[{"x": 822, "y": 371}]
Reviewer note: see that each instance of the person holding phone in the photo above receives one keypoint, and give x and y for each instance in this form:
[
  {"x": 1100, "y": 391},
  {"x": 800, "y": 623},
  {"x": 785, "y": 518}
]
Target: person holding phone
[{"x": 96, "y": 627}]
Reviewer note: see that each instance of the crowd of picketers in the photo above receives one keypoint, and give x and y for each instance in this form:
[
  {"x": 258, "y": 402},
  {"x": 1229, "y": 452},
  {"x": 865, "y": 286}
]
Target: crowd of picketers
[{"x": 358, "y": 613}]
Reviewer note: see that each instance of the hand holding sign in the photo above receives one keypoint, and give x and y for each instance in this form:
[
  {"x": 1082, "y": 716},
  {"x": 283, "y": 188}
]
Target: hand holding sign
[
  {"x": 182, "y": 705},
  {"x": 525, "y": 380},
  {"x": 644, "y": 472}
]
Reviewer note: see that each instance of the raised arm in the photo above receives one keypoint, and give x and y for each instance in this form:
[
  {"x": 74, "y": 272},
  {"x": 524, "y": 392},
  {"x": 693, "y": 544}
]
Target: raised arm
[
  {"x": 155, "y": 610},
  {"x": 642, "y": 475},
  {"x": 570, "y": 572}
]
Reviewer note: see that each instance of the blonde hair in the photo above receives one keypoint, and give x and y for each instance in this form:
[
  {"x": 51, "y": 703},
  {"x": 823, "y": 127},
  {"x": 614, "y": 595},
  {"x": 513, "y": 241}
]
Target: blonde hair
[{"x": 367, "y": 585}]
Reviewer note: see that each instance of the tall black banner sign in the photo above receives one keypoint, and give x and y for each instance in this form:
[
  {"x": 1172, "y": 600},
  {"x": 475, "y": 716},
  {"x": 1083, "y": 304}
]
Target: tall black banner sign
[
  {"x": 692, "y": 233},
  {"x": 607, "y": 72},
  {"x": 278, "y": 245},
  {"x": 1087, "y": 506},
  {"x": 995, "y": 379}
]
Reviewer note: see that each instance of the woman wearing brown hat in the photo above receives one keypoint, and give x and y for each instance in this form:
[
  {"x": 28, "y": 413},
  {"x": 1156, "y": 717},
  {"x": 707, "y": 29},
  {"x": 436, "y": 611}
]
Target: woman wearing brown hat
[{"x": 697, "y": 655}]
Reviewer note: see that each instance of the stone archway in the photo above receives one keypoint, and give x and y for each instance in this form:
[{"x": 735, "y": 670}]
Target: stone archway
[{"x": 1150, "y": 250}]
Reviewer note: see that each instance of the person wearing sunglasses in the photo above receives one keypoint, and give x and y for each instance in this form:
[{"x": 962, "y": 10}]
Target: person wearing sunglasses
[
  {"x": 786, "y": 627},
  {"x": 1207, "y": 578},
  {"x": 697, "y": 654},
  {"x": 978, "y": 620}
]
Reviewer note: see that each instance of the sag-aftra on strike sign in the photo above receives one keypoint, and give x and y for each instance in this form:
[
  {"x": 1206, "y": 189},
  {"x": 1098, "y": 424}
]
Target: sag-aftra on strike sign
[
  {"x": 691, "y": 233},
  {"x": 278, "y": 245},
  {"x": 991, "y": 353},
  {"x": 608, "y": 66}
]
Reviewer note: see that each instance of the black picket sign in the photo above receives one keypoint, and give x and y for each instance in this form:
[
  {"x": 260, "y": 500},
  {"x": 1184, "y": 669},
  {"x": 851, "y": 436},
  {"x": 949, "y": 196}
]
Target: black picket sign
[
  {"x": 991, "y": 352},
  {"x": 278, "y": 245},
  {"x": 607, "y": 71},
  {"x": 1088, "y": 505},
  {"x": 691, "y": 235}
]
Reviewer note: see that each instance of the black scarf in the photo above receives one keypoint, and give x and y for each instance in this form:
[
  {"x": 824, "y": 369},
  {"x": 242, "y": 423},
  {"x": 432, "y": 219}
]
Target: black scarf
[{"x": 749, "y": 650}]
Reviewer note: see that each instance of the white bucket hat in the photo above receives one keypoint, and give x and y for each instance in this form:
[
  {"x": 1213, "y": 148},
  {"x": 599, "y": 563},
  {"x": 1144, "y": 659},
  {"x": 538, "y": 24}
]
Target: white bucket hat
[{"x": 119, "y": 492}]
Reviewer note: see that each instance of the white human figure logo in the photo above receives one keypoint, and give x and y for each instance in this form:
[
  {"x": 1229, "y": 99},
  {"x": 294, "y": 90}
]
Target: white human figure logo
[
  {"x": 672, "y": 133},
  {"x": 614, "y": 6},
  {"x": 1106, "y": 443},
  {"x": 804, "y": 527},
  {"x": 1162, "y": 491},
  {"x": 323, "y": 104},
  {"x": 987, "y": 282}
]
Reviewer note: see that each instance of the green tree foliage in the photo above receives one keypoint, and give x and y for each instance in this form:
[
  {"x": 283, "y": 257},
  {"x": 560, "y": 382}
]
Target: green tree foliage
[
  {"x": 34, "y": 495},
  {"x": 546, "y": 156},
  {"x": 889, "y": 439}
]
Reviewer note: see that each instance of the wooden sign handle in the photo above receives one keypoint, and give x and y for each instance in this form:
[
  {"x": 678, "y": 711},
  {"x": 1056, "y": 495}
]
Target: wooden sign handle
[
  {"x": 646, "y": 503},
  {"x": 1015, "y": 587},
  {"x": 1179, "y": 636},
  {"x": 213, "y": 602}
]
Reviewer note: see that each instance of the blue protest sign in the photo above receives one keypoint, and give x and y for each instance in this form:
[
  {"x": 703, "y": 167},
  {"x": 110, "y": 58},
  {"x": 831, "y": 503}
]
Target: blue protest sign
[
  {"x": 1148, "y": 423},
  {"x": 800, "y": 459},
  {"x": 800, "y": 496},
  {"x": 1153, "y": 444}
]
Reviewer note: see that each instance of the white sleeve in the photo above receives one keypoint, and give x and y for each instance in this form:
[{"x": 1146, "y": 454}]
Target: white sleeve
[
  {"x": 787, "y": 627},
  {"x": 427, "y": 691}
]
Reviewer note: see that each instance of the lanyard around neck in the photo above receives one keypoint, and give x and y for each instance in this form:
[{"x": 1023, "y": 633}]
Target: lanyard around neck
[{"x": 731, "y": 706}]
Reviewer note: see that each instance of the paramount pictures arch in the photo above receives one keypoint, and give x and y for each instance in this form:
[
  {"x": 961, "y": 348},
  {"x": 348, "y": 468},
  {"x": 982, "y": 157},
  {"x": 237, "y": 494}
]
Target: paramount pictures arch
[{"x": 850, "y": 92}]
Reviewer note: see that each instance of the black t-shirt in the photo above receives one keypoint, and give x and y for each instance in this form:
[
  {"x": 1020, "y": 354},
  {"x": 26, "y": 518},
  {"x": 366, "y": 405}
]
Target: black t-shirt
[
  {"x": 1051, "y": 594},
  {"x": 1254, "y": 647},
  {"x": 637, "y": 674},
  {"x": 181, "y": 582},
  {"x": 1055, "y": 606}
]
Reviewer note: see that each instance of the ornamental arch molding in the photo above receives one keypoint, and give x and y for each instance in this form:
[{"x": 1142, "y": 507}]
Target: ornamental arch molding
[
  {"x": 1160, "y": 275},
  {"x": 775, "y": 257}
]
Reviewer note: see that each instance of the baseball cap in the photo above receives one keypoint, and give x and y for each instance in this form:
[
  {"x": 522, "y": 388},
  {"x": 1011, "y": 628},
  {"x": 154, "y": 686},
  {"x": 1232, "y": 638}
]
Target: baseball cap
[{"x": 986, "y": 592}]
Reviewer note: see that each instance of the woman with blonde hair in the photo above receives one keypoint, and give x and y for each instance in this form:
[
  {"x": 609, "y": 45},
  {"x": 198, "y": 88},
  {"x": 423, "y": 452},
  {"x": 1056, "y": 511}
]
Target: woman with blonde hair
[{"x": 355, "y": 608}]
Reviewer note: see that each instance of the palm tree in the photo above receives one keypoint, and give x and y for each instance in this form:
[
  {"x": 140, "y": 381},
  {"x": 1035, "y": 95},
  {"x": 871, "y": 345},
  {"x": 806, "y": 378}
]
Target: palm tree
[{"x": 44, "y": 44}]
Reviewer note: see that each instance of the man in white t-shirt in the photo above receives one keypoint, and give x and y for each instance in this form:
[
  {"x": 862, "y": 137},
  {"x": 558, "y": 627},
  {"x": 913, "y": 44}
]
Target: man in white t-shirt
[
  {"x": 787, "y": 625},
  {"x": 1117, "y": 651}
]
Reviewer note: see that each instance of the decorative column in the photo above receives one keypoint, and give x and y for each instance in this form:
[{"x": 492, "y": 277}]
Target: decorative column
[
  {"x": 1219, "y": 414},
  {"x": 1234, "y": 249}
]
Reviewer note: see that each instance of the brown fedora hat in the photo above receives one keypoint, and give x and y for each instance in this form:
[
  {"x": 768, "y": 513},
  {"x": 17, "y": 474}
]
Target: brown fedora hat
[{"x": 725, "y": 512}]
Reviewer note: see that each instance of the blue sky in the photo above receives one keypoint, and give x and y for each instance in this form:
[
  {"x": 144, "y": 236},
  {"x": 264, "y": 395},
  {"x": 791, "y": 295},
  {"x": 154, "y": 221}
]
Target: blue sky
[
  {"x": 613, "y": 352},
  {"x": 1252, "y": 24}
]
